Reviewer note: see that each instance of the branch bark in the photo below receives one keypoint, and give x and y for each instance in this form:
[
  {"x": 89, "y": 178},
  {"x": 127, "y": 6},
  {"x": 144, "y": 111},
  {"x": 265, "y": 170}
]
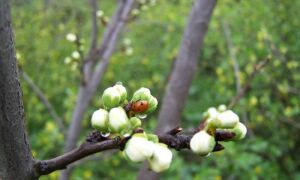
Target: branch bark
[
  {"x": 15, "y": 156},
  {"x": 96, "y": 143},
  {"x": 182, "y": 74}
]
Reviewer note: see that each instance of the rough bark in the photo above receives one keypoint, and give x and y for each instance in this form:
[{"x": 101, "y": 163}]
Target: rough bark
[
  {"x": 15, "y": 155},
  {"x": 182, "y": 74},
  {"x": 95, "y": 143}
]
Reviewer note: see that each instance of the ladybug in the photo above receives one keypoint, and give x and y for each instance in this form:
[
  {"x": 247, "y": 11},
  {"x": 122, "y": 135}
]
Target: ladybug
[{"x": 139, "y": 106}]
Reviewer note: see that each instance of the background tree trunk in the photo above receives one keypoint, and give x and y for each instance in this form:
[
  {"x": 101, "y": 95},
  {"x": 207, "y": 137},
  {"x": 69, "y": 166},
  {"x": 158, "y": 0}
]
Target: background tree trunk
[
  {"x": 15, "y": 155},
  {"x": 182, "y": 74}
]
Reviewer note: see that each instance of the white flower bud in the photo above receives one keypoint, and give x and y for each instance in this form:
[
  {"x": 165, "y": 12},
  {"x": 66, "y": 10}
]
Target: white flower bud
[
  {"x": 129, "y": 51},
  {"x": 126, "y": 41},
  {"x": 153, "y": 138},
  {"x": 202, "y": 143},
  {"x": 222, "y": 108},
  {"x": 75, "y": 55},
  {"x": 111, "y": 97},
  {"x": 118, "y": 120},
  {"x": 138, "y": 148},
  {"x": 71, "y": 37},
  {"x": 240, "y": 131},
  {"x": 211, "y": 114},
  {"x": 161, "y": 159},
  {"x": 122, "y": 90},
  {"x": 100, "y": 120},
  {"x": 99, "y": 13},
  {"x": 135, "y": 12},
  {"x": 227, "y": 119},
  {"x": 135, "y": 122}
]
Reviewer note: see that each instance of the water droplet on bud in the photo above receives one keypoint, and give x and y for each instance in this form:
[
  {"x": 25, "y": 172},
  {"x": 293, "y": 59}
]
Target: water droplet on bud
[
  {"x": 126, "y": 135},
  {"x": 105, "y": 134},
  {"x": 142, "y": 116}
]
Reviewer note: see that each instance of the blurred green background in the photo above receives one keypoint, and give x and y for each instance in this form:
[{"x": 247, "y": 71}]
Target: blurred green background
[{"x": 259, "y": 28}]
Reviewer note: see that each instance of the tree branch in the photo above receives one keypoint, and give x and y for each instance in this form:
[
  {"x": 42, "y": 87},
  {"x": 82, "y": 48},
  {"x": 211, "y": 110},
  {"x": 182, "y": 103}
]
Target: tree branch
[
  {"x": 236, "y": 68},
  {"x": 232, "y": 54},
  {"x": 246, "y": 88},
  {"x": 107, "y": 48},
  {"x": 93, "y": 71},
  {"x": 94, "y": 37},
  {"x": 43, "y": 99},
  {"x": 95, "y": 143}
]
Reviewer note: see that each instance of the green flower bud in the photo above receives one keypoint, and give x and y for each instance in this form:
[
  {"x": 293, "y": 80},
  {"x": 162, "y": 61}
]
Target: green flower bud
[
  {"x": 142, "y": 94},
  {"x": 211, "y": 114},
  {"x": 226, "y": 120},
  {"x": 135, "y": 122},
  {"x": 222, "y": 108},
  {"x": 161, "y": 159},
  {"x": 202, "y": 143},
  {"x": 153, "y": 138},
  {"x": 240, "y": 131},
  {"x": 100, "y": 120},
  {"x": 118, "y": 120},
  {"x": 138, "y": 148},
  {"x": 111, "y": 98},
  {"x": 122, "y": 90},
  {"x": 152, "y": 104}
]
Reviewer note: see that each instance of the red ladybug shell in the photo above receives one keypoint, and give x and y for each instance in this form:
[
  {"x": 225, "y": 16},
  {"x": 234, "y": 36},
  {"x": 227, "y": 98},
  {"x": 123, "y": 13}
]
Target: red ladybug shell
[{"x": 139, "y": 106}]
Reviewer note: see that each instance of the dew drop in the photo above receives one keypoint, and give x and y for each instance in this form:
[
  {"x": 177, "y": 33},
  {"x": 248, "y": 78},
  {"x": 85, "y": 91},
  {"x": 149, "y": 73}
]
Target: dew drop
[
  {"x": 208, "y": 155},
  {"x": 142, "y": 116},
  {"x": 105, "y": 134},
  {"x": 126, "y": 135}
]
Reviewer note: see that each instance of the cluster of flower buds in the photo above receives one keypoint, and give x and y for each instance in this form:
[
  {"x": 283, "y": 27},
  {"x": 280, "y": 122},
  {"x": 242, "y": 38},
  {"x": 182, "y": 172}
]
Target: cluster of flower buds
[
  {"x": 119, "y": 116},
  {"x": 203, "y": 142},
  {"x": 142, "y": 146}
]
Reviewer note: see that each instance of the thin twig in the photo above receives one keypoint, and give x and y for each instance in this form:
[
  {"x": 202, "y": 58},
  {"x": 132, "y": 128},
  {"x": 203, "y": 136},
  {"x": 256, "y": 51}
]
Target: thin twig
[
  {"x": 232, "y": 54},
  {"x": 43, "y": 99},
  {"x": 236, "y": 68},
  {"x": 256, "y": 69},
  {"x": 94, "y": 37}
]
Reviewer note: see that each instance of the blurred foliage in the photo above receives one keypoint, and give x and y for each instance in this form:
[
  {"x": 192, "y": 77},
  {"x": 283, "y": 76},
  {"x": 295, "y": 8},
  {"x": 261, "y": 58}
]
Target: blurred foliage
[{"x": 258, "y": 28}]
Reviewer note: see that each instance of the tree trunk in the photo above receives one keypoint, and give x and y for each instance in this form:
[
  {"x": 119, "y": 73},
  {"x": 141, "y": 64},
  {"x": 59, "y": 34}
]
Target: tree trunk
[
  {"x": 15, "y": 156},
  {"x": 182, "y": 75}
]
